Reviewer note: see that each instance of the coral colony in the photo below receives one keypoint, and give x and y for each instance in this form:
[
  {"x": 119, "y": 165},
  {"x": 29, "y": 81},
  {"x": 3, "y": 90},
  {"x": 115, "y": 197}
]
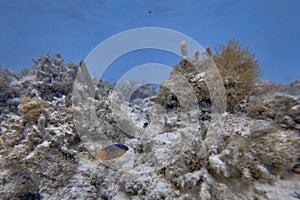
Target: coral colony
[{"x": 42, "y": 156}]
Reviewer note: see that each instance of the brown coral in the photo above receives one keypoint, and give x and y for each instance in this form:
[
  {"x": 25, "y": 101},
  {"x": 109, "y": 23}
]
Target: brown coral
[
  {"x": 31, "y": 109},
  {"x": 239, "y": 70}
]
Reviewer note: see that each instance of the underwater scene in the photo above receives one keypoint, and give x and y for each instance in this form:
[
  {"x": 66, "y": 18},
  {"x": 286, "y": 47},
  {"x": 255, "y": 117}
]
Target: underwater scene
[{"x": 136, "y": 99}]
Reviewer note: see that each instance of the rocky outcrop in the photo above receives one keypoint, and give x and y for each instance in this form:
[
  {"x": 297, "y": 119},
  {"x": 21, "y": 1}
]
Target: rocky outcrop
[
  {"x": 43, "y": 157},
  {"x": 280, "y": 104}
]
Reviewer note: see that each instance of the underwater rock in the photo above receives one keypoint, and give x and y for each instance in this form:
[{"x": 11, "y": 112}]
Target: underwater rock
[
  {"x": 281, "y": 104},
  {"x": 196, "y": 79},
  {"x": 43, "y": 157}
]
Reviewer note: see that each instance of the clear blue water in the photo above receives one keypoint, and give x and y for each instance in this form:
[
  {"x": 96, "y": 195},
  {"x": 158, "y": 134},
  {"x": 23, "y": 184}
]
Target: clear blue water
[{"x": 30, "y": 29}]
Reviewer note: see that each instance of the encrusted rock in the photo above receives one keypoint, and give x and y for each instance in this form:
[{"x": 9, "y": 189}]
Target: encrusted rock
[{"x": 43, "y": 157}]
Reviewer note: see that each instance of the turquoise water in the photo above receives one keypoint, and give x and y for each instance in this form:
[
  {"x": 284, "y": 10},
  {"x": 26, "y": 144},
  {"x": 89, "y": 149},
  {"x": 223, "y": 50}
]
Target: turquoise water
[{"x": 30, "y": 29}]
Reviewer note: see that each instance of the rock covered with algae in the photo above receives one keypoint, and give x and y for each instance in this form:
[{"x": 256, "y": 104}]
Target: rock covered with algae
[{"x": 43, "y": 157}]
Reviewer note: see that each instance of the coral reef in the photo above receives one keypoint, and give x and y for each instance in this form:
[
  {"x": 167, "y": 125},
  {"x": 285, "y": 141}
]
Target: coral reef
[
  {"x": 8, "y": 92},
  {"x": 42, "y": 156},
  {"x": 280, "y": 104},
  {"x": 239, "y": 69},
  {"x": 52, "y": 77}
]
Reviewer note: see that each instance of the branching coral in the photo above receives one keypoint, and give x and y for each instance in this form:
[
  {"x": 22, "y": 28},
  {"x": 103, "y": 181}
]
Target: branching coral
[{"x": 53, "y": 78}]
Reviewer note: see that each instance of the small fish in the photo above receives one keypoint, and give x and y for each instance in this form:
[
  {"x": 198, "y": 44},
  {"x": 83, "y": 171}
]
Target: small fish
[{"x": 112, "y": 151}]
